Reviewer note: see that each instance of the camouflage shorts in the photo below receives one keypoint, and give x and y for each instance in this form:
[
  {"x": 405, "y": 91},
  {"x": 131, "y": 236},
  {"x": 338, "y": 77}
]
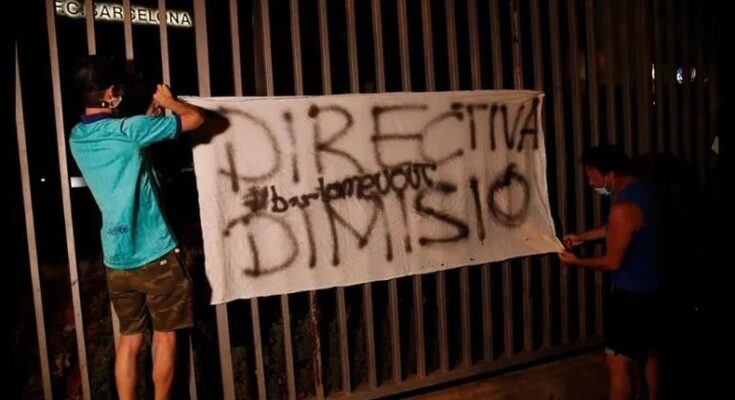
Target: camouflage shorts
[{"x": 160, "y": 289}]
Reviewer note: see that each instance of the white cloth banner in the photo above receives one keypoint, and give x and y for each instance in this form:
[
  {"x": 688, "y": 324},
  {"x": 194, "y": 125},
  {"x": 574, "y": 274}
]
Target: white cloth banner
[{"x": 304, "y": 193}]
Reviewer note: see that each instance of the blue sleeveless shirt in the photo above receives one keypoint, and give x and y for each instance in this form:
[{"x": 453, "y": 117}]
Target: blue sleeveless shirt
[{"x": 638, "y": 272}]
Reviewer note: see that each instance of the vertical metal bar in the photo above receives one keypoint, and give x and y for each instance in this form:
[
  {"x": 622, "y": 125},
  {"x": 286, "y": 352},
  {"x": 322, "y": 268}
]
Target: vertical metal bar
[
  {"x": 285, "y": 308},
  {"x": 464, "y": 303},
  {"x": 452, "y": 44},
  {"x": 506, "y": 273},
  {"x": 31, "y": 234},
  {"x": 712, "y": 40},
  {"x": 509, "y": 345},
  {"x": 393, "y": 288},
  {"x": 288, "y": 347},
  {"x": 440, "y": 277},
  {"x": 561, "y": 181},
  {"x": 223, "y": 326},
  {"x": 466, "y": 341},
  {"x": 378, "y": 45},
  {"x": 687, "y": 65},
  {"x": 324, "y": 46},
  {"x": 579, "y": 178},
  {"x": 395, "y": 333},
  {"x": 591, "y": 53},
  {"x": 643, "y": 77},
  {"x": 595, "y": 137},
  {"x": 367, "y": 291},
  {"x": 527, "y": 307},
  {"x": 474, "y": 41},
  {"x": 367, "y": 295},
  {"x": 526, "y": 303},
  {"x": 611, "y": 73},
  {"x": 392, "y": 284},
  {"x": 128, "y": 29},
  {"x": 441, "y": 305},
  {"x": 418, "y": 298},
  {"x": 192, "y": 373},
  {"x": 403, "y": 43},
  {"x": 487, "y": 319},
  {"x": 223, "y": 329},
  {"x": 622, "y": 18},
  {"x": 464, "y": 292},
  {"x": 592, "y": 77},
  {"x": 625, "y": 62},
  {"x": 258, "y": 345},
  {"x": 163, "y": 33},
  {"x": 538, "y": 83},
  {"x": 202, "y": 48},
  {"x": 428, "y": 41},
  {"x": 66, "y": 197},
  {"x": 417, "y": 287},
  {"x": 235, "y": 42},
  {"x": 327, "y": 89},
  {"x": 418, "y": 305},
  {"x": 515, "y": 33},
  {"x": 343, "y": 340},
  {"x": 316, "y": 355},
  {"x": 263, "y": 63},
  {"x": 475, "y": 65},
  {"x": 225, "y": 355},
  {"x": 341, "y": 303},
  {"x": 700, "y": 87},
  {"x": 89, "y": 24},
  {"x": 496, "y": 45},
  {"x": 658, "y": 74},
  {"x": 298, "y": 75},
  {"x": 498, "y": 84},
  {"x": 670, "y": 77},
  {"x": 351, "y": 46},
  {"x": 129, "y": 55}
]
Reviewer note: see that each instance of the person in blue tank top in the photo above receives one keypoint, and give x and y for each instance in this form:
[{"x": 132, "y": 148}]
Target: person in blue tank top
[
  {"x": 147, "y": 282},
  {"x": 630, "y": 256}
]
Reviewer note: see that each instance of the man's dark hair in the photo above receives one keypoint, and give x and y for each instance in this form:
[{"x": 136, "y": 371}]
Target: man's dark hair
[
  {"x": 607, "y": 158},
  {"x": 94, "y": 74}
]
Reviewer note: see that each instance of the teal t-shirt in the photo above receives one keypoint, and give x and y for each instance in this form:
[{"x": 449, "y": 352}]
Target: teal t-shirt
[{"x": 110, "y": 152}]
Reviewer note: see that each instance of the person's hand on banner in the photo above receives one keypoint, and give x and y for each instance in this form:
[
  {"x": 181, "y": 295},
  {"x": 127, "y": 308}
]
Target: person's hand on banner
[
  {"x": 568, "y": 258},
  {"x": 572, "y": 240}
]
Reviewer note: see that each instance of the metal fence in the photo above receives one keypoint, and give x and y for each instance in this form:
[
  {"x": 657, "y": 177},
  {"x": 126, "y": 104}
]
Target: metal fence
[{"x": 639, "y": 73}]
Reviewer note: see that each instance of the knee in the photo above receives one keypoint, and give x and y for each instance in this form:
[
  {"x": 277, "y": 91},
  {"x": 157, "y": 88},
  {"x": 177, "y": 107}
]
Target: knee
[
  {"x": 130, "y": 344},
  {"x": 165, "y": 339}
]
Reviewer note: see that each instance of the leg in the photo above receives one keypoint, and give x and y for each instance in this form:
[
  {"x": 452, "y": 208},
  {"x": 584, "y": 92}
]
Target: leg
[
  {"x": 168, "y": 295},
  {"x": 652, "y": 376},
  {"x": 620, "y": 382},
  {"x": 126, "y": 365},
  {"x": 163, "y": 366}
]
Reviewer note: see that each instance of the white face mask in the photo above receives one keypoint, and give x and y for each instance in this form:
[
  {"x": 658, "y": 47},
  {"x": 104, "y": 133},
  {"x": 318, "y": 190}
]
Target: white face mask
[
  {"x": 603, "y": 190},
  {"x": 114, "y": 103}
]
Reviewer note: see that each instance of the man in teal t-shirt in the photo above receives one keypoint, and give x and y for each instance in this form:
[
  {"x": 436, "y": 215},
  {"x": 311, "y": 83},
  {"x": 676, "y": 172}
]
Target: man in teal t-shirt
[{"x": 145, "y": 278}]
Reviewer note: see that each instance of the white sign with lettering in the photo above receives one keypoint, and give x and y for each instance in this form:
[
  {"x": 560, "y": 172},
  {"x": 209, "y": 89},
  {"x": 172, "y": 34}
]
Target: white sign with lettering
[{"x": 313, "y": 192}]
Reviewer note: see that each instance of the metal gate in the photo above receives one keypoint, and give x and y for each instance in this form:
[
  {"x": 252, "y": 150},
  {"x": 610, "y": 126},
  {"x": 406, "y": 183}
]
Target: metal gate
[{"x": 639, "y": 73}]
